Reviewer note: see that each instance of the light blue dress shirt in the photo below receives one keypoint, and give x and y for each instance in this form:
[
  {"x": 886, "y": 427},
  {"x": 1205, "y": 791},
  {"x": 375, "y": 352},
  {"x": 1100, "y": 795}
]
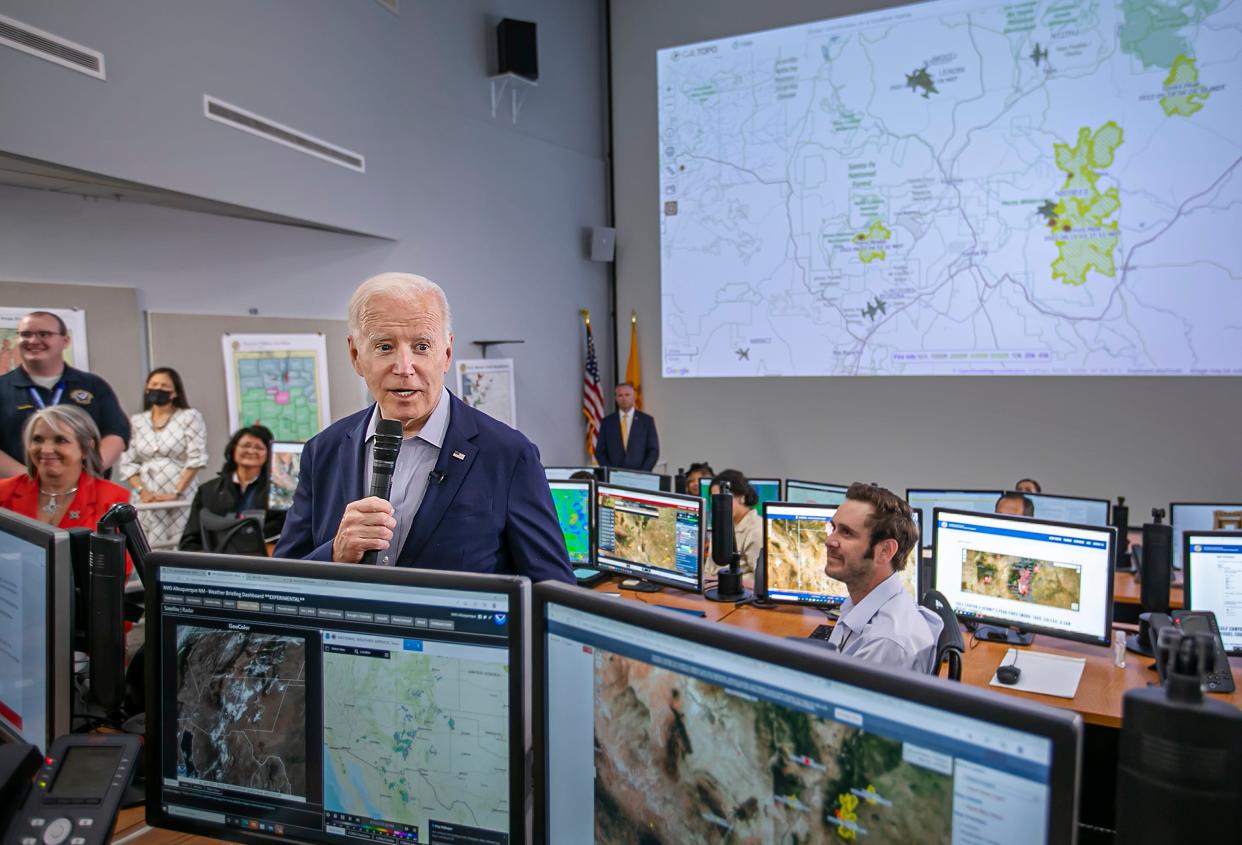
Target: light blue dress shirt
[
  {"x": 887, "y": 627},
  {"x": 411, "y": 474}
]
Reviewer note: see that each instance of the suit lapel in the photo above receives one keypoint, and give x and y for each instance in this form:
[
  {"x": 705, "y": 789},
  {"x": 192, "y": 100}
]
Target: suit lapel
[
  {"x": 458, "y": 439},
  {"x": 351, "y": 458}
]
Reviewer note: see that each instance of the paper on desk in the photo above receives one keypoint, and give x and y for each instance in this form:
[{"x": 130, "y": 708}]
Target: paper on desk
[{"x": 1046, "y": 674}]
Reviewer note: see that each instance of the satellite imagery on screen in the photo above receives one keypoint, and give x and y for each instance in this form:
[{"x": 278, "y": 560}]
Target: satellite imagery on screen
[
  {"x": 645, "y": 533},
  {"x": 241, "y": 710},
  {"x": 666, "y": 772},
  {"x": 955, "y": 188},
  {"x": 1022, "y": 579}
]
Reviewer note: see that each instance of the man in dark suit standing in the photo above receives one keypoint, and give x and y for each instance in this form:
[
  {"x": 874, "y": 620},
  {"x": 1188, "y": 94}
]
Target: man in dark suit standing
[
  {"x": 627, "y": 436},
  {"x": 468, "y": 492}
]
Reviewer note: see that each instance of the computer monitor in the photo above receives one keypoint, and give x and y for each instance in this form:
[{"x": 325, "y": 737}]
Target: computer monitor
[
  {"x": 575, "y": 511},
  {"x": 814, "y": 492},
  {"x": 317, "y": 702},
  {"x": 927, "y": 500},
  {"x": 688, "y": 731},
  {"x": 283, "y": 472},
  {"x": 565, "y": 473},
  {"x": 1075, "y": 509},
  {"x": 36, "y": 609},
  {"x": 1200, "y": 517},
  {"x": 1214, "y": 580},
  {"x": 1035, "y": 575},
  {"x": 795, "y": 538},
  {"x": 657, "y": 537},
  {"x": 635, "y": 478},
  {"x": 767, "y": 490}
]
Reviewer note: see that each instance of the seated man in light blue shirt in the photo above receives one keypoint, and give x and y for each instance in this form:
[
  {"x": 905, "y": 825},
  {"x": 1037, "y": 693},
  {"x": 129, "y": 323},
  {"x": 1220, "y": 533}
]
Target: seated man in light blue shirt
[{"x": 871, "y": 536}]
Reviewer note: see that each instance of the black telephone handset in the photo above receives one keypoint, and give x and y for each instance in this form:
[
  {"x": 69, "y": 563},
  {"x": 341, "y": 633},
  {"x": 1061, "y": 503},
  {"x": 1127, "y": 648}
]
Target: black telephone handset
[
  {"x": 1219, "y": 677},
  {"x": 76, "y": 792}
]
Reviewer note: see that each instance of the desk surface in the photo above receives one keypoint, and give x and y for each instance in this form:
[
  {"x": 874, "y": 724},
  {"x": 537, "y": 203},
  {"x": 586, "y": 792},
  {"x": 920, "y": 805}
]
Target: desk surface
[
  {"x": 1127, "y": 590},
  {"x": 1099, "y": 694}
]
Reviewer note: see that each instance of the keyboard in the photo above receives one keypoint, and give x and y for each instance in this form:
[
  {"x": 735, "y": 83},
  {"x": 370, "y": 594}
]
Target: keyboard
[{"x": 821, "y": 632}]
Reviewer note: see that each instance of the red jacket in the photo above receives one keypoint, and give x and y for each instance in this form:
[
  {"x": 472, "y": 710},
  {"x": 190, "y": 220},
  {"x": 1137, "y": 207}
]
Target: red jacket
[{"x": 95, "y": 495}]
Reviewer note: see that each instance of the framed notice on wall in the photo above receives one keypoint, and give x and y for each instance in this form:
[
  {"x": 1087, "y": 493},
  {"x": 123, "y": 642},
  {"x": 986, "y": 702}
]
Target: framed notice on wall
[{"x": 487, "y": 385}]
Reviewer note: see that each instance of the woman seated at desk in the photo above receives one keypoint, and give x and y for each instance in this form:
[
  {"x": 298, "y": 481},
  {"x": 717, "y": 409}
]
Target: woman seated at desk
[
  {"x": 240, "y": 487},
  {"x": 747, "y": 526}
]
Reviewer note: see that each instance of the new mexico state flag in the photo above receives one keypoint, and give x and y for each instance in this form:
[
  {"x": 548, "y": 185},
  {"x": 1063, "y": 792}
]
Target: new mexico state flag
[{"x": 633, "y": 372}]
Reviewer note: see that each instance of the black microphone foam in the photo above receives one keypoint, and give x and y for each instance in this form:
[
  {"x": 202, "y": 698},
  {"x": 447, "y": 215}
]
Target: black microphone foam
[
  {"x": 106, "y": 624},
  {"x": 722, "y": 527},
  {"x": 384, "y": 449},
  {"x": 1157, "y": 561}
]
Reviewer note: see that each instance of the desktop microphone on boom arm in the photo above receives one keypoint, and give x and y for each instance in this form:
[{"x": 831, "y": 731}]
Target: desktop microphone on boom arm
[{"x": 729, "y": 586}]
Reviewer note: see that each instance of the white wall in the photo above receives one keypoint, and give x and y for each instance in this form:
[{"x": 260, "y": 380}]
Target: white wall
[
  {"x": 494, "y": 212},
  {"x": 1152, "y": 440}
]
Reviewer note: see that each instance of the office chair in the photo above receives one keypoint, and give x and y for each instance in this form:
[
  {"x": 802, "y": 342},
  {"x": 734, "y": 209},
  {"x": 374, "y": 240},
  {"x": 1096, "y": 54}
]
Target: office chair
[
  {"x": 230, "y": 535},
  {"x": 949, "y": 646}
]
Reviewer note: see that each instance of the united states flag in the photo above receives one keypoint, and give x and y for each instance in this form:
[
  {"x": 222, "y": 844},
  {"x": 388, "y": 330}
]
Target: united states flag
[{"x": 592, "y": 396}]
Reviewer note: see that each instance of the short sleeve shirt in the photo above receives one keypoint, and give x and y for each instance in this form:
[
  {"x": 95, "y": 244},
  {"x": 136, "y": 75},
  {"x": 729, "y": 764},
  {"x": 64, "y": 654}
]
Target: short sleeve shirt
[{"x": 86, "y": 390}]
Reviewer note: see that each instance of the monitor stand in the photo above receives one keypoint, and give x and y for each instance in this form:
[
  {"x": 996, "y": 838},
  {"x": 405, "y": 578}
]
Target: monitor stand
[
  {"x": 639, "y": 585},
  {"x": 997, "y": 634}
]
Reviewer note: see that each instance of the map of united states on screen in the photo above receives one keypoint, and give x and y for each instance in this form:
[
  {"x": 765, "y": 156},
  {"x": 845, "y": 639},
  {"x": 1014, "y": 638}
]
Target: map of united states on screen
[{"x": 956, "y": 188}]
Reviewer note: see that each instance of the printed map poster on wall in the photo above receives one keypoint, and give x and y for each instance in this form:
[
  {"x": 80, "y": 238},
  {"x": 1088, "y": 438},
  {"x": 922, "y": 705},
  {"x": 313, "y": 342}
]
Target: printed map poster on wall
[
  {"x": 487, "y": 384},
  {"x": 277, "y": 380},
  {"x": 75, "y": 321}
]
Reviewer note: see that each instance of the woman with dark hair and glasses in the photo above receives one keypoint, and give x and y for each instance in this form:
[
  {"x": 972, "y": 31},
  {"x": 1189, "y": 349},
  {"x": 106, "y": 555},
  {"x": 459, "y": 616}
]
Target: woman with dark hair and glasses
[
  {"x": 167, "y": 448},
  {"x": 240, "y": 487}
]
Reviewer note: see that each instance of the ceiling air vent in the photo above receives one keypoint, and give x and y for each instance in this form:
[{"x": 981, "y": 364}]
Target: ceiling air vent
[
  {"x": 231, "y": 115},
  {"x": 51, "y": 47}
]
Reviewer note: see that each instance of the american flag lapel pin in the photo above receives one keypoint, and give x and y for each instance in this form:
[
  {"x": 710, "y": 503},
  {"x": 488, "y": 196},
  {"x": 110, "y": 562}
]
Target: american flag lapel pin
[{"x": 459, "y": 456}]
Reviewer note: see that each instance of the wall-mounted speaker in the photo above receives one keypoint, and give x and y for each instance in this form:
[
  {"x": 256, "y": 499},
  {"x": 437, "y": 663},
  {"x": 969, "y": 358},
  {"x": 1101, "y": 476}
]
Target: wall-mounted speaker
[
  {"x": 603, "y": 243},
  {"x": 516, "y": 50}
]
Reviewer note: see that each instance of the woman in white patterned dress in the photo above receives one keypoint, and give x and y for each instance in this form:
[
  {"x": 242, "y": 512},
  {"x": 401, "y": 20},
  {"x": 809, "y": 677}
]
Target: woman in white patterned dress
[{"x": 167, "y": 448}]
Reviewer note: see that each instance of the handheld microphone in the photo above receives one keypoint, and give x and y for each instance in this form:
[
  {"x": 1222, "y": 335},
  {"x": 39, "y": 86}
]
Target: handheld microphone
[{"x": 384, "y": 450}]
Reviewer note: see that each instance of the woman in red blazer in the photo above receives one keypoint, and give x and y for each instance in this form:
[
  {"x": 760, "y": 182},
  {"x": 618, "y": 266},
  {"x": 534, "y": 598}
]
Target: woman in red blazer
[{"x": 61, "y": 486}]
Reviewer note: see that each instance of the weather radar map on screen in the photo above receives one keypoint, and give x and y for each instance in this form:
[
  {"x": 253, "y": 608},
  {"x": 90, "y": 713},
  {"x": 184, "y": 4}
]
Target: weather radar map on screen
[{"x": 955, "y": 188}]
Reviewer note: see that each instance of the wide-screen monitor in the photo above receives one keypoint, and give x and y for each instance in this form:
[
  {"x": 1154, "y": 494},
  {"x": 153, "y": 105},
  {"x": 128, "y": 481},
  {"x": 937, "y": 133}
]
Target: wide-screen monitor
[
  {"x": 575, "y": 510},
  {"x": 317, "y": 702},
  {"x": 766, "y": 490},
  {"x": 687, "y": 732},
  {"x": 795, "y": 543},
  {"x": 1201, "y": 516},
  {"x": 1214, "y": 580},
  {"x": 822, "y": 187},
  {"x": 634, "y": 478},
  {"x": 1075, "y": 509},
  {"x": 814, "y": 492},
  {"x": 564, "y": 473},
  {"x": 283, "y": 473},
  {"x": 35, "y": 608},
  {"x": 657, "y": 537},
  {"x": 1041, "y": 577},
  {"x": 980, "y": 501}
]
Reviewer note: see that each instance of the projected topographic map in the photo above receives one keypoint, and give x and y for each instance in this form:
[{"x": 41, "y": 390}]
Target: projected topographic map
[{"x": 956, "y": 188}]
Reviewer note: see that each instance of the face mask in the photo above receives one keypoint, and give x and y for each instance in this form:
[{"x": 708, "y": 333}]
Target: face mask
[{"x": 159, "y": 397}]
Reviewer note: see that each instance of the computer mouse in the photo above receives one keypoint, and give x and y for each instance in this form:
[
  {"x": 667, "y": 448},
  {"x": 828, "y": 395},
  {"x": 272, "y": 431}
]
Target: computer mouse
[{"x": 1008, "y": 674}]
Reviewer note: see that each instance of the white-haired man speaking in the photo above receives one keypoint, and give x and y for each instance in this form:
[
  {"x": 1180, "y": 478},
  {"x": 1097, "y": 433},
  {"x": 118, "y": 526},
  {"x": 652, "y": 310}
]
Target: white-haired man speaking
[{"x": 468, "y": 492}]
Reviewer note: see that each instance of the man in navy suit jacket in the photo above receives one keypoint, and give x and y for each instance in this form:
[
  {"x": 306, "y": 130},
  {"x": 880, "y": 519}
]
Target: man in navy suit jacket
[
  {"x": 639, "y": 448},
  {"x": 469, "y": 493}
]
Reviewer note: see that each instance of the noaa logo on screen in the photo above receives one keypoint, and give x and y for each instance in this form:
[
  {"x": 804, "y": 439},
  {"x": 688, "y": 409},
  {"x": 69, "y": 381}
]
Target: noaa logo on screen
[
  {"x": 500, "y": 618},
  {"x": 1198, "y": 548}
]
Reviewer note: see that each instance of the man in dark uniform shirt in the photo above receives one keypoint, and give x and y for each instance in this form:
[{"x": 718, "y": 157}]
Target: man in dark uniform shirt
[{"x": 43, "y": 379}]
